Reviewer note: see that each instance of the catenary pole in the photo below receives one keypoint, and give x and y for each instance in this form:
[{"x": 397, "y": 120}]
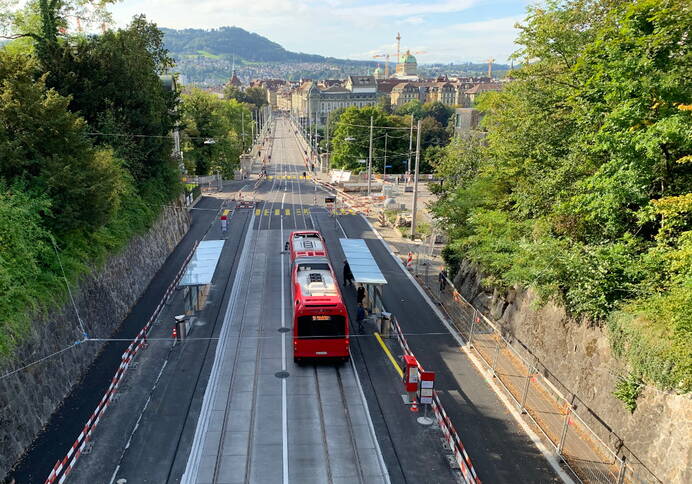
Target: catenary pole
[
  {"x": 370, "y": 157},
  {"x": 415, "y": 185},
  {"x": 410, "y": 146}
]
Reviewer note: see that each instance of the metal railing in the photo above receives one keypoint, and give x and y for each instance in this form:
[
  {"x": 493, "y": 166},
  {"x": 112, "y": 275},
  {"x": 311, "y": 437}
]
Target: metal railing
[{"x": 535, "y": 391}]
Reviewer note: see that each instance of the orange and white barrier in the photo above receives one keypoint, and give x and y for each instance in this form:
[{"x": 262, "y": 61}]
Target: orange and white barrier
[
  {"x": 450, "y": 433},
  {"x": 63, "y": 467}
]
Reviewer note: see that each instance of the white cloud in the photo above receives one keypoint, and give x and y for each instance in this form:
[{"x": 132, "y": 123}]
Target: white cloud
[
  {"x": 413, "y": 20},
  {"x": 342, "y": 28}
]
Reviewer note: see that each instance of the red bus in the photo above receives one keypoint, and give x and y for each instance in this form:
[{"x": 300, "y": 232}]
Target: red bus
[
  {"x": 306, "y": 243},
  {"x": 320, "y": 319}
]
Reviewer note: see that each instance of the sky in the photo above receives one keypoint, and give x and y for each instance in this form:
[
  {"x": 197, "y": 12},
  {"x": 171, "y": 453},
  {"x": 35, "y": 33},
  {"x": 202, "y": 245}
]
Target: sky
[{"x": 441, "y": 30}]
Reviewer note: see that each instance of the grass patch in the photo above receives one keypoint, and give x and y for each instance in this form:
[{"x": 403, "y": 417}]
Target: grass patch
[{"x": 31, "y": 280}]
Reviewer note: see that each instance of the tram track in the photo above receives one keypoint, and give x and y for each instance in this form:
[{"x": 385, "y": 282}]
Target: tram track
[
  {"x": 225, "y": 296},
  {"x": 275, "y": 192}
]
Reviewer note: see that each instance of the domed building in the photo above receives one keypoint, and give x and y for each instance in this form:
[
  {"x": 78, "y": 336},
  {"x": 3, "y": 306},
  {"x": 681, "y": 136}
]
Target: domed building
[{"x": 407, "y": 67}]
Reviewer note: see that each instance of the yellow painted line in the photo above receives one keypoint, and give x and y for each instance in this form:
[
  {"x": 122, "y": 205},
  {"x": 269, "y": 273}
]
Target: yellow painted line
[
  {"x": 306, "y": 211},
  {"x": 257, "y": 212},
  {"x": 271, "y": 177},
  {"x": 266, "y": 212},
  {"x": 276, "y": 211},
  {"x": 389, "y": 355},
  {"x": 225, "y": 212},
  {"x": 288, "y": 211}
]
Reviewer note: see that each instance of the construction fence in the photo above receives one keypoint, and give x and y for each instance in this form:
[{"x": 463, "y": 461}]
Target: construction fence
[{"x": 566, "y": 424}]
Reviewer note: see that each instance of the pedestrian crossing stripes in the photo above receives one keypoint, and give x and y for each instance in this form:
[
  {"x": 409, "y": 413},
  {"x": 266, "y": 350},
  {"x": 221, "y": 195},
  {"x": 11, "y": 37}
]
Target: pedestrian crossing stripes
[
  {"x": 288, "y": 177},
  {"x": 277, "y": 211}
]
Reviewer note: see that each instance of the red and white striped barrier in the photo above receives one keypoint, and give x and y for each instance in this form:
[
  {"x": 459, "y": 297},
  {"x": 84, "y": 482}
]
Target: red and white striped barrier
[
  {"x": 443, "y": 420},
  {"x": 63, "y": 467}
]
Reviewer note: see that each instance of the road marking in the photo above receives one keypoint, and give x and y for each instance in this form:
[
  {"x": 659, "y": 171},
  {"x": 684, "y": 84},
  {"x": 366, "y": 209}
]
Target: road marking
[
  {"x": 549, "y": 456},
  {"x": 266, "y": 212},
  {"x": 389, "y": 355},
  {"x": 257, "y": 212},
  {"x": 284, "y": 398},
  {"x": 195, "y": 456},
  {"x": 225, "y": 212},
  {"x": 277, "y": 211},
  {"x": 288, "y": 211}
]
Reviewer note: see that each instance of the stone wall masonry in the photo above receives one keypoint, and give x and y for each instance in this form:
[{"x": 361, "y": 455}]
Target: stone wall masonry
[
  {"x": 579, "y": 357},
  {"x": 103, "y": 298}
]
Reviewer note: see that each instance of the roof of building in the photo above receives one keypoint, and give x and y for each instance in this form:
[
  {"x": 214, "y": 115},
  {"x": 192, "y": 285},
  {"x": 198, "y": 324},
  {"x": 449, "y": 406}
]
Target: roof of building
[
  {"x": 407, "y": 58},
  {"x": 484, "y": 86},
  {"x": 334, "y": 89},
  {"x": 362, "y": 81}
]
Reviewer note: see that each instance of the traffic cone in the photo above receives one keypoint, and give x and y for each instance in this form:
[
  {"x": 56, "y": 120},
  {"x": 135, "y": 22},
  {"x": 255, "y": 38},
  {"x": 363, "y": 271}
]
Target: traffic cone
[
  {"x": 409, "y": 261},
  {"x": 175, "y": 333},
  {"x": 414, "y": 406}
]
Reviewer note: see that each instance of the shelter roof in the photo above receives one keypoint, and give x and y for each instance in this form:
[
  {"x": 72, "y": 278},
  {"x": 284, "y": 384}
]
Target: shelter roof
[
  {"x": 200, "y": 269},
  {"x": 363, "y": 266}
]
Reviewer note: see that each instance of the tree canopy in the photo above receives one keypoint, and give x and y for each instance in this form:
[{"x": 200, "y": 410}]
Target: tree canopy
[{"x": 581, "y": 187}]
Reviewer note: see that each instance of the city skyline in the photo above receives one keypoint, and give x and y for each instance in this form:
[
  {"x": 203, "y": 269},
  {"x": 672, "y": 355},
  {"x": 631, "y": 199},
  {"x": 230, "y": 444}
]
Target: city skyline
[{"x": 447, "y": 31}]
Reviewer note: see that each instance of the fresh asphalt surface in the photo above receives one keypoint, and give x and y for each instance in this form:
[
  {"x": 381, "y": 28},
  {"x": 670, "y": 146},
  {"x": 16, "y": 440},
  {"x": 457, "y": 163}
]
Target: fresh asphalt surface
[
  {"x": 68, "y": 421},
  {"x": 161, "y": 441}
]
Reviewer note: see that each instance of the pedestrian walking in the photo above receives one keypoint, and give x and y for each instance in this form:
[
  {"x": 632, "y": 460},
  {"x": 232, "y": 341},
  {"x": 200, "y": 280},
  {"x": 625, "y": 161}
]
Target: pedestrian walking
[
  {"x": 360, "y": 317},
  {"x": 360, "y": 294},
  {"x": 442, "y": 277},
  {"x": 348, "y": 275}
]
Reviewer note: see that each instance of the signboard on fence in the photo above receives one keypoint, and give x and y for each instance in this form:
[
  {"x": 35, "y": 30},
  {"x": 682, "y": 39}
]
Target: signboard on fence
[{"x": 339, "y": 176}]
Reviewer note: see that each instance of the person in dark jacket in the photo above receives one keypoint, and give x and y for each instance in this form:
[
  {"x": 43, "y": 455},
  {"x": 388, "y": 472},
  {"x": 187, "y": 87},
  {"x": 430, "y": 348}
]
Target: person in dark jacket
[
  {"x": 360, "y": 294},
  {"x": 348, "y": 275},
  {"x": 442, "y": 277},
  {"x": 360, "y": 317}
]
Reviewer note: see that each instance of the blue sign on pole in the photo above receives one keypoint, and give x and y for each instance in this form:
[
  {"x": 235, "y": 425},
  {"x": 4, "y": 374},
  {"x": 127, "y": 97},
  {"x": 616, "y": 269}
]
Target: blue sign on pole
[{"x": 388, "y": 166}]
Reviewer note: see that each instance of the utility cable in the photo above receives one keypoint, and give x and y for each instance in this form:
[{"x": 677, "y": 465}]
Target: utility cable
[{"x": 69, "y": 291}]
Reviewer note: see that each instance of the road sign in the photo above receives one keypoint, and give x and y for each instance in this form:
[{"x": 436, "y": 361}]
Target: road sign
[{"x": 427, "y": 382}]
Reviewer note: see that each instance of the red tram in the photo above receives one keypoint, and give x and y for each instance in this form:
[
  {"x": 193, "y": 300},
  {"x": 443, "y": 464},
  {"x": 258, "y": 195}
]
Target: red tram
[
  {"x": 320, "y": 318},
  {"x": 306, "y": 243}
]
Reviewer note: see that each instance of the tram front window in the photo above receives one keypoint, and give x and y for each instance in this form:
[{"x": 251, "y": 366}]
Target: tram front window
[{"x": 322, "y": 326}]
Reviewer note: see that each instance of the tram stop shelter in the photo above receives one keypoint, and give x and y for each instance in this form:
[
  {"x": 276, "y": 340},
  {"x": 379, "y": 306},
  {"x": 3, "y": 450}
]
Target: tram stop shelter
[
  {"x": 365, "y": 271},
  {"x": 198, "y": 274}
]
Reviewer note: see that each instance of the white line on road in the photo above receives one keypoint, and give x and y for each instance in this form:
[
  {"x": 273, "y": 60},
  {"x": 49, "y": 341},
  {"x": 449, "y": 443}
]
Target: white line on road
[
  {"x": 549, "y": 456},
  {"x": 284, "y": 409},
  {"x": 193, "y": 461}
]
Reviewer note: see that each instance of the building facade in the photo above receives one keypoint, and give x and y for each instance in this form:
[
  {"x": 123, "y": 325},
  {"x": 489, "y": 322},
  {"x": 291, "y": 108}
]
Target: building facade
[{"x": 313, "y": 101}]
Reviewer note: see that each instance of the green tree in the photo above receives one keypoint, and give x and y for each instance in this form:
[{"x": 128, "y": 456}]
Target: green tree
[
  {"x": 351, "y": 139},
  {"x": 438, "y": 111},
  {"x": 414, "y": 108},
  {"x": 44, "y": 145},
  {"x": 256, "y": 96},
  {"x": 212, "y": 134},
  {"x": 580, "y": 189}
]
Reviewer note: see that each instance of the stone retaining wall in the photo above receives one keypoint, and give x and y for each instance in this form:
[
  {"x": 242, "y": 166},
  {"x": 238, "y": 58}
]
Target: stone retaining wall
[
  {"x": 103, "y": 298},
  {"x": 580, "y": 358}
]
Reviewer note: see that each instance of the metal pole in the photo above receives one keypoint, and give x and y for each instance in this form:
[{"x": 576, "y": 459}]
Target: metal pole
[
  {"x": 252, "y": 126},
  {"x": 384, "y": 170},
  {"x": 415, "y": 185},
  {"x": 327, "y": 143},
  {"x": 242, "y": 127},
  {"x": 410, "y": 146},
  {"x": 565, "y": 427},
  {"x": 497, "y": 354},
  {"x": 622, "y": 470},
  {"x": 473, "y": 322},
  {"x": 370, "y": 157},
  {"x": 525, "y": 393}
]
